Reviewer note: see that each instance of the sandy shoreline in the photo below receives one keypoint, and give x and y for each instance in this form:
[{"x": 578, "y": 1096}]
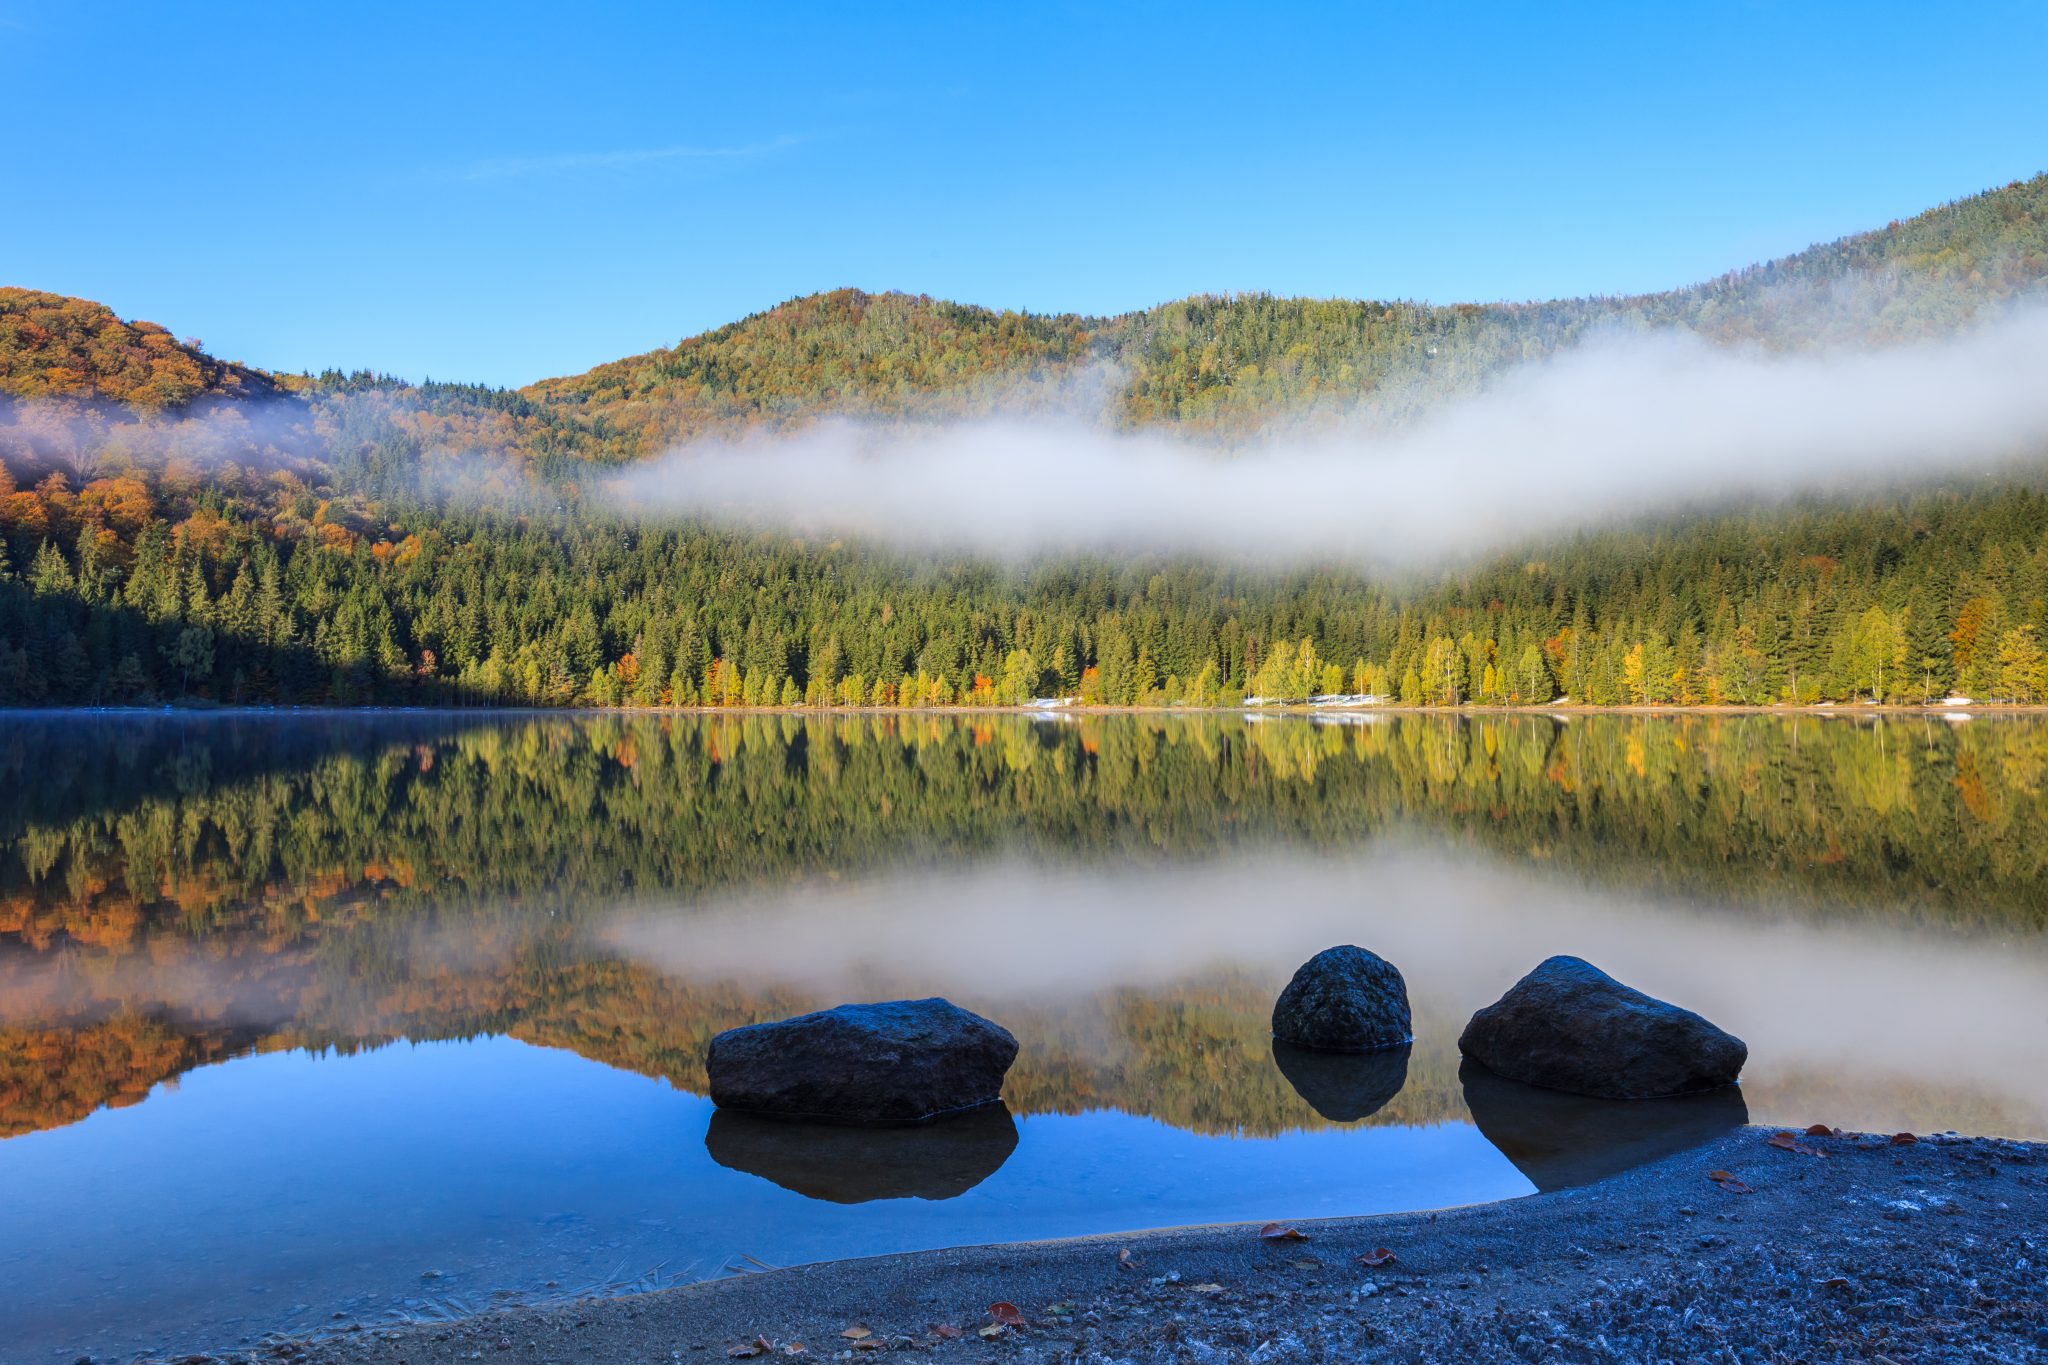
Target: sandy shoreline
[{"x": 1857, "y": 1248}]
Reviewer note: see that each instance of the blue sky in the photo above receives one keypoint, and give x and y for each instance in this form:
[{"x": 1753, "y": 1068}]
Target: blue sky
[{"x": 505, "y": 192}]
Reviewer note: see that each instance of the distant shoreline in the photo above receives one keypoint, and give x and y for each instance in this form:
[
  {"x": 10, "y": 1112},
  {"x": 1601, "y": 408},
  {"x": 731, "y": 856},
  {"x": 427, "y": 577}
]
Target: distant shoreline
[
  {"x": 1821, "y": 709},
  {"x": 1919, "y": 1261}
]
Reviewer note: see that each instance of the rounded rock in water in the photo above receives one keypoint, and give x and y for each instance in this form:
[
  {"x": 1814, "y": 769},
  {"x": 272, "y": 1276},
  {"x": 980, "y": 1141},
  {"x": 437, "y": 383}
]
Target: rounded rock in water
[
  {"x": 1344, "y": 999},
  {"x": 1569, "y": 1026},
  {"x": 895, "y": 1061}
]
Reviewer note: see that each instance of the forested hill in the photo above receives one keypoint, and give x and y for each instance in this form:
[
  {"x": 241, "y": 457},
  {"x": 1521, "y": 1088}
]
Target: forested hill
[
  {"x": 1231, "y": 363},
  {"x": 1225, "y": 362},
  {"x": 175, "y": 526},
  {"x": 64, "y": 348}
]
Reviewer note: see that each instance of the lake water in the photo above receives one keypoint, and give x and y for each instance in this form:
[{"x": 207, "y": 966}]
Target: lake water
[{"x": 315, "y": 1021}]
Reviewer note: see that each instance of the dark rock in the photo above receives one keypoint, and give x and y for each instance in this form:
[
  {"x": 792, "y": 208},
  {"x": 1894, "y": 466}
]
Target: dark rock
[
  {"x": 937, "y": 1160},
  {"x": 1561, "y": 1140},
  {"x": 1344, "y": 1000},
  {"x": 1343, "y": 1087},
  {"x": 1570, "y": 1026},
  {"x": 898, "y": 1061}
]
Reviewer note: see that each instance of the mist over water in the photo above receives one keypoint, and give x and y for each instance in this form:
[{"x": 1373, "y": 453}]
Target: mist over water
[{"x": 1623, "y": 425}]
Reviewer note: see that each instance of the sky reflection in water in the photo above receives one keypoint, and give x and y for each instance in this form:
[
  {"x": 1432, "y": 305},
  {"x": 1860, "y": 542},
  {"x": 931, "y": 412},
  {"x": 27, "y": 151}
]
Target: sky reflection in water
[{"x": 277, "y": 1190}]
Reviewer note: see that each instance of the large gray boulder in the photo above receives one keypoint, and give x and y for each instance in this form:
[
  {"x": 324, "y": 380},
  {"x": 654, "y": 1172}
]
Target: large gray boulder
[
  {"x": 897, "y": 1061},
  {"x": 1570, "y": 1026},
  {"x": 1344, "y": 999}
]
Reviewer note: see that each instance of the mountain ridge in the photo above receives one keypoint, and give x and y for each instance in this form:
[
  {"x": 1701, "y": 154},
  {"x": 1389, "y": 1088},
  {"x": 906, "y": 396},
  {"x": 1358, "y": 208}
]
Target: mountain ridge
[
  {"x": 1232, "y": 361},
  {"x": 1226, "y": 362}
]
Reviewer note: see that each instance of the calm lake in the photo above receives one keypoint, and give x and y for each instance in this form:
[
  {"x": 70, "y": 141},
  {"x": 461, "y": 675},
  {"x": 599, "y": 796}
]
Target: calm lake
[{"x": 312, "y": 1022}]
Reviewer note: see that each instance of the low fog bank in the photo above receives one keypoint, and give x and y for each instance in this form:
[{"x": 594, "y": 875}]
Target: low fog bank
[
  {"x": 1622, "y": 425},
  {"x": 332, "y": 450},
  {"x": 1853, "y": 1003},
  {"x": 91, "y": 439}
]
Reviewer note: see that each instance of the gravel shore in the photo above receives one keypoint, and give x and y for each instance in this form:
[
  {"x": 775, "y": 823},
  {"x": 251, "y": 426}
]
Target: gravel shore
[{"x": 1756, "y": 1247}]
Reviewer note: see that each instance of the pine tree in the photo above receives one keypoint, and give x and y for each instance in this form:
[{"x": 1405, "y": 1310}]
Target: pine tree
[{"x": 49, "y": 575}]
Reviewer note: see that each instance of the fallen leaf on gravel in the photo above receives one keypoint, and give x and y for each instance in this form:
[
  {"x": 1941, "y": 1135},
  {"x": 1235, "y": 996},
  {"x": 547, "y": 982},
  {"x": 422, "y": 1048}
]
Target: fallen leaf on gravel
[
  {"x": 795, "y": 1348},
  {"x": 1378, "y": 1256},
  {"x": 993, "y": 1330},
  {"x": 857, "y": 1332},
  {"x": 944, "y": 1331},
  {"x": 1730, "y": 1182},
  {"x": 1006, "y": 1314},
  {"x": 1785, "y": 1142},
  {"x": 1205, "y": 1289},
  {"x": 1280, "y": 1232},
  {"x": 759, "y": 1346},
  {"x": 1903, "y": 1139},
  {"x": 1835, "y": 1282},
  {"x": 1308, "y": 1263},
  {"x": 1822, "y": 1130},
  {"x": 1125, "y": 1261}
]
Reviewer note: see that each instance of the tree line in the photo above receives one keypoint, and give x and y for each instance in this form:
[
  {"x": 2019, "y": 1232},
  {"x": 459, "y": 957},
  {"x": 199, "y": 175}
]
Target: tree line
[{"x": 137, "y": 589}]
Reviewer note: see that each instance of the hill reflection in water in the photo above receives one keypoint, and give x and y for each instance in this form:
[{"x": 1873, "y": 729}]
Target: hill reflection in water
[
  {"x": 1125, "y": 890},
  {"x": 203, "y": 901}
]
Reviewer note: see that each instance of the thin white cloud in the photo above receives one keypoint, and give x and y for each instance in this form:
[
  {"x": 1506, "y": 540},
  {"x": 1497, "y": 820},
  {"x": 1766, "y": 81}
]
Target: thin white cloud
[{"x": 507, "y": 167}]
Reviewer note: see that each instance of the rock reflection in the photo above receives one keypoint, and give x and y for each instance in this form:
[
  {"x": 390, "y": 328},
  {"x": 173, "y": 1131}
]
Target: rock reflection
[
  {"x": 1561, "y": 1140},
  {"x": 1343, "y": 1087},
  {"x": 938, "y": 1160}
]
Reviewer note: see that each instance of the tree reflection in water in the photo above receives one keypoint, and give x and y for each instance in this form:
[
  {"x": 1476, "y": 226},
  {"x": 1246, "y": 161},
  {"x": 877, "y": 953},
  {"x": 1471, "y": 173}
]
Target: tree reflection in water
[{"x": 178, "y": 890}]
